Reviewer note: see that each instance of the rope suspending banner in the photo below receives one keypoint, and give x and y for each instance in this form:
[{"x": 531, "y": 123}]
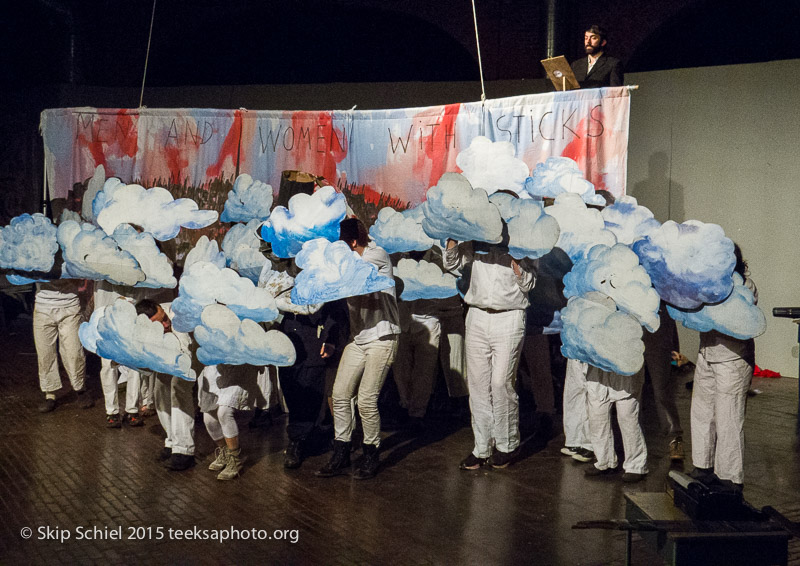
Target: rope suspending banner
[
  {"x": 478, "y": 43},
  {"x": 147, "y": 55}
]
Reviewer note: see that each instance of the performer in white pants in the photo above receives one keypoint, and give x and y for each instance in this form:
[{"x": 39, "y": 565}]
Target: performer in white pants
[
  {"x": 577, "y": 438},
  {"x": 604, "y": 389},
  {"x": 495, "y": 329}
]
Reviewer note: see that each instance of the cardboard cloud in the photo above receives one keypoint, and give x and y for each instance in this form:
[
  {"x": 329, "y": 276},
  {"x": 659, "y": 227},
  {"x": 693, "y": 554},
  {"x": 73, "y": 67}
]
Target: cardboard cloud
[
  {"x": 629, "y": 221},
  {"x": 28, "y": 243},
  {"x": 531, "y": 232},
  {"x": 155, "y": 265},
  {"x": 249, "y": 200},
  {"x": 616, "y": 273},
  {"x": 492, "y": 166},
  {"x": 241, "y": 246},
  {"x": 333, "y": 271},
  {"x": 689, "y": 264},
  {"x": 225, "y": 339},
  {"x": 90, "y": 254},
  {"x": 454, "y": 209},
  {"x": 737, "y": 316},
  {"x": 581, "y": 227},
  {"x": 424, "y": 280},
  {"x": 94, "y": 186},
  {"x": 153, "y": 209},
  {"x": 401, "y": 231},
  {"x": 558, "y": 175},
  {"x": 204, "y": 284},
  {"x": 308, "y": 217},
  {"x": 205, "y": 250},
  {"x": 597, "y": 333},
  {"x": 118, "y": 334}
]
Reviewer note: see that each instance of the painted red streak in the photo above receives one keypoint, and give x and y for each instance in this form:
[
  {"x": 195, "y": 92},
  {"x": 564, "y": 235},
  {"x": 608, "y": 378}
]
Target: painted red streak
[
  {"x": 176, "y": 162},
  {"x": 229, "y": 148},
  {"x": 583, "y": 149},
  {"x": 437, "y": 143},
  {"x": 118, "y": 138},
  {"x": 321, "y": 135}
]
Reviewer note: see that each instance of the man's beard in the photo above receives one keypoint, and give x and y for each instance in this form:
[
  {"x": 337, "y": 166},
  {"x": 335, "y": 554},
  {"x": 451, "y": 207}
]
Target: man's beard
[{"x": 592, "y": 50}]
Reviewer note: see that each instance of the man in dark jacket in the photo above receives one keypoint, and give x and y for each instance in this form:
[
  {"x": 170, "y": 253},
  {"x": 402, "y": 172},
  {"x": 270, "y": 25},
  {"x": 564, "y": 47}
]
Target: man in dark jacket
[{"x": 597, "y": 69}]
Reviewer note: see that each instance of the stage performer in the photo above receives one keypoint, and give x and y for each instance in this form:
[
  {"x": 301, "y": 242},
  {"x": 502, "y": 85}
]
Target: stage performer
[
  {"x": 597, "y": 69},
  {"x": 374, "y": 328},
  {"x": 495, "y": 329}
]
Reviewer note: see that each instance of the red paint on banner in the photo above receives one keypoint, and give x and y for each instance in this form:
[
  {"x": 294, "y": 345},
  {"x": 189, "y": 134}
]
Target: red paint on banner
[
  {"x": 437, "y": 143},
  {"x": 176, "y": 161},
  {"x": 584, "y": 150},
  {"x": 318, "y": 145},
  {"x": 229, "y": 147}
]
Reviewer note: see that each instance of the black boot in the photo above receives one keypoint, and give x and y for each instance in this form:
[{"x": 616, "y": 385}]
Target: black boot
[
  {"x": 293, "y": 456},
  {"x": 369, "y": 465},
  {"x": 339, "y": 462}
]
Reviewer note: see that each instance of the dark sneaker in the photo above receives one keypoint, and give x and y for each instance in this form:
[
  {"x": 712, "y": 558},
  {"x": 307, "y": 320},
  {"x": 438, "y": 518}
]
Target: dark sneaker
[
  {"x": 703, "y": 475},
  {"x": 339, "y": 462},
  {"x": 164, "y": 454},
  {"x": 583, "y": 455},
  {"x": 293, "y": 456},
  {"x": 113, "y": 421},
  {"x": 147, "y": 411},
  {"x": 47, "y": 406},
  {"x": 570, "y": 450},
  {"x": 133, "y": 419},
  {"x": 594, "y": 471},
  {"x": 368, "y": 467},
  {"x": 261, "y": 419},
  {"x": 500, "y": 459},
  {"x": 472, "y": 462},
  {"x": 632, "y": 477},
  {"x": 179, "y": 462},
  {"x": 85, "y": 400}
]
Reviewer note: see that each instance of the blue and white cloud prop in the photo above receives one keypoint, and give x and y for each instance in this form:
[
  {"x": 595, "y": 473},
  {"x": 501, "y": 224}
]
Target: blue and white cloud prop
[
  {"x": 308, "y": 217},
  {"x": 155, "y": 210},
  {"x": 204, "y": 284},
  {"x": 492, "y": 166},
  {"x": 453, "y": 209},
  {"x": 67, "y": 214},
  {"x": 225, "y": 339},
  {"x": 531, "y": 232},
  {"x": 581, "y": 227},
  {"x": 241, "y": 246},
  {"x": 594, "y": 331},
  {"x": 94, "y": 186},
  {"x": 689, "y": 264},
  {"x": 628, "y": 220},
  {"x": 558, "y": 175},
  {"x": 249, "y": 200},
  {"x": 155, "y": 265},
  {"x": 331, "y": 271},
  {"x": 737, "y": 316},
  {"x": 205, "y": 250},
  {"x": 16, "y": 279},
  {"x": 90, "y": 254},
  {"x": 117, "y": 333},
  {"x": 401, "y": 231},
  {"x": 616, "y": 273},
  {"x": 424, "y": 280},
  {"x": 28, "y": 243}
]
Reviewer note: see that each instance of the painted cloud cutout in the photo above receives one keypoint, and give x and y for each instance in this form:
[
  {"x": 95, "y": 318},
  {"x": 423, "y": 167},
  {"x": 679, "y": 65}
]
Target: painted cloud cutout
[
  {"x": 249, "y": 200},
  {"x": 205, "y": 250},
  {"x": 225, "y": 339},
  {"x": 628, "y": 220},
  {"x": 155, "y": 210},
  {"x": 401, "y": 231},
  {"x": 308, "y": 217},
  {"x": 597, "y": 333},
  {"x": 531, "y": 232},
  {"x": 559, "y": 175},
  {"x": 241, "y": 247},
  {"x": 424, "y": 280},
  {"x": 204, "y": 284},
  {"x": 454, "y": 209},
  {"x": 689, "y": 264},
  {"x": 28, "y": 243},
  {"x": 616, "y": 273},
  {"x": 581, "y": 227},
  {"x": 492, "y": 166},
  {"x": 117, "y": 333},
  {"x": 94, "y": 186},
  {"x": 333, "y": 271},
  {"x": 90, "y": 254},
  {"x": 737, "y": 316},
  {"x": 155, "y": 265}
]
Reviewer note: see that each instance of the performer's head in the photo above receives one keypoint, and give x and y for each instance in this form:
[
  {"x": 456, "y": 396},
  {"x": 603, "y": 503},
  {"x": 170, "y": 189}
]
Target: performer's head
[
  {"x": 353, "y": 231},
  {"x": 154, "y": 312},
  {"x": 594, "y": 39}
]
